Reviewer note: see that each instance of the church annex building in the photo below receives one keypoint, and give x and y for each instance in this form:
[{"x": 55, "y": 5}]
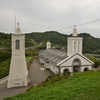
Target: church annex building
[{"x": 61, "y": 62}]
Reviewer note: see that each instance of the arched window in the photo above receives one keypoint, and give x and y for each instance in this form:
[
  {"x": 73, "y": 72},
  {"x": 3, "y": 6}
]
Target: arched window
[
  {"x": 86, "y": 69},
  {"x": 17, "y": 44},
  {"x": 66, "y": 71},
  {"x": 76, "y": 62}
]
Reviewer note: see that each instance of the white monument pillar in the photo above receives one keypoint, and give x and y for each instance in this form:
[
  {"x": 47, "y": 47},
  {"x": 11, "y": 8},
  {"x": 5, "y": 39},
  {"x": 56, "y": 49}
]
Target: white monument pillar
[
  {"x": 18, "y": 74},
  {"x": 48, "y": 45},
  {"x": 74, "y": 43}
]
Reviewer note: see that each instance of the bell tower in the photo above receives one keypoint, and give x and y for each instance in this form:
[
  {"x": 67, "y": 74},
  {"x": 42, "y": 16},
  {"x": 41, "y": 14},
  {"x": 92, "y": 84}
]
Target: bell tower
[
  {"x": 18, "y": 73},
  {"x": 74, "y": 43},
  {"x": 48, "y": 45}
]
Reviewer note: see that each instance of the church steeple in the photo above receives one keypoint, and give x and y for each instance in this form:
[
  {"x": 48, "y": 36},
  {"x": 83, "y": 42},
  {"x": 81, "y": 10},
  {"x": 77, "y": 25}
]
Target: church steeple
[
  {"x": 74, "y": 31},
  {"x": 74, "y": 43}
]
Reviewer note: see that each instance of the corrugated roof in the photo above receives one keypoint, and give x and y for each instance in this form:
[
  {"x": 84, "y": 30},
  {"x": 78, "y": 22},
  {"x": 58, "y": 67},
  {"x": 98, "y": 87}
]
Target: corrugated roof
[{"x": 54, "y": 56}]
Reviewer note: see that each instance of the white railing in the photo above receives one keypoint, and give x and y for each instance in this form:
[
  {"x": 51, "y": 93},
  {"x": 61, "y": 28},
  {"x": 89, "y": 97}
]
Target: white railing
[{"x": 3, "y": 79}]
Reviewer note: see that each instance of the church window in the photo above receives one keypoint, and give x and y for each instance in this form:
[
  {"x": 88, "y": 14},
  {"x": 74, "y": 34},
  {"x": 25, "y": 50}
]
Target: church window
[
  {"x": 69, "y": 46},
  {"x": 86, "y": 69},
  {"x": 17, "y": 44},
  {"x": 78, "y": 46},
  {"x": 76, "y": 62},
  {"x": 75, "y": 46}
]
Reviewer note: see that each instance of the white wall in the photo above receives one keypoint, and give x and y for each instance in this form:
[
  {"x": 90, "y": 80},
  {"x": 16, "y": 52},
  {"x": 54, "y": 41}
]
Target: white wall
[
  {"x": 69, "y": 68},
  {"x": 53, "y": 68},
  {"x": 41, "y": 61},
  {"x": 70, "y": 61},
  {"x": 83, "y": 67}
]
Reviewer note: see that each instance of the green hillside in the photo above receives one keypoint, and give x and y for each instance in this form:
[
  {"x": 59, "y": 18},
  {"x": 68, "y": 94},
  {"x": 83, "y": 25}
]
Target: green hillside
[
  {"x": 52, "y": 36},
  {"x": 82, "y": 86},
  {"x": 5, "y": 40},
  {"x": 90, "y": 44}
]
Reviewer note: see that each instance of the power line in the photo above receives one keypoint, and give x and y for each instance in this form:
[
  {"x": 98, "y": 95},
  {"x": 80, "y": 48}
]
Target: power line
[
  {"x": 62, "y": 15},
  {"x": 79, "y": 24}
]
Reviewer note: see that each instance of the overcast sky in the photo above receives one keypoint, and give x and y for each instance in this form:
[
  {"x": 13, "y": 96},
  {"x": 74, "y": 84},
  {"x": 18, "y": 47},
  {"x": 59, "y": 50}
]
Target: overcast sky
[{"x": 50, "y": 15}]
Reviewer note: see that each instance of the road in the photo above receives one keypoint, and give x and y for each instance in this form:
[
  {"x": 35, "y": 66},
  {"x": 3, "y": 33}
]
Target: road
[
  {"x": 4, "y": 92},
  {"x": 36, "y": 74},
  {"x": 94, "y": 55},
  {"x": 33, "y": 47}
]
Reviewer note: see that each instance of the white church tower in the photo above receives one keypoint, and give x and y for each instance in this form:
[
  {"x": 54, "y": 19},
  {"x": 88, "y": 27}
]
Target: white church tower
[
  {"x": 74, "y": 43},
  {"x": 48, "y": 45},
  {"x": 18, "y": 74}
]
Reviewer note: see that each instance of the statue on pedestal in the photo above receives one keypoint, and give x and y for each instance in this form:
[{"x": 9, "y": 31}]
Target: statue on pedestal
[{"x": 18, "y": 24}]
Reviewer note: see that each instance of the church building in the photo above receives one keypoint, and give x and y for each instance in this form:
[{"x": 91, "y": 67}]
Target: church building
[{"x": 61, "y": 62}]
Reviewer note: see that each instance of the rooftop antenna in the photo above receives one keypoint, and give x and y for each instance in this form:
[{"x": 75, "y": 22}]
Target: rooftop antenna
[{"x": 15, "y": 25}]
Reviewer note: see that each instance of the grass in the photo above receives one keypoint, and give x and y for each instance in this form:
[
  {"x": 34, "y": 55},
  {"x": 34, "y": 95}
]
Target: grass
[
  {"x": 82, "y": 86},
  {"x": 28, "y": 58}
]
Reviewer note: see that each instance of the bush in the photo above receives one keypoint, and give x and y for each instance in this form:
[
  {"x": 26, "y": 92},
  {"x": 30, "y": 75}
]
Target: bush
[
  {"x": 4, "y": 68},
  {"x": 49, "y": 80}
]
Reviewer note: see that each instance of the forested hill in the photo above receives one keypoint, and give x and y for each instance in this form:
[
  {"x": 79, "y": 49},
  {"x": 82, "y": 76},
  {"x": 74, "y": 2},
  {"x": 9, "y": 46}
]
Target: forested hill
[
  {"x": 52, "y": 36},
  {"x": 90, "y": 43}
]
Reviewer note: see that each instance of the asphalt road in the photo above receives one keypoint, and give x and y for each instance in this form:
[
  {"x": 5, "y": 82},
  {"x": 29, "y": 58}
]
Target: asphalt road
[
  {"x": 4, "y": 92},
  {"x": 36, "y": 74}
]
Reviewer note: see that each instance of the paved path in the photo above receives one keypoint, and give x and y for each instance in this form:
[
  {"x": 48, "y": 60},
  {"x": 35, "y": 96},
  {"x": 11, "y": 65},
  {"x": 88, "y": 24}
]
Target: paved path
[
  {"x": 36, "y": 73},
  {"x": 4, "y": 92}
]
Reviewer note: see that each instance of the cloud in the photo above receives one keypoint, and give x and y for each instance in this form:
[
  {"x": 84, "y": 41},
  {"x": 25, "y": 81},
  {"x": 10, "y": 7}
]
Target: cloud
[{"x": 31, "y": 12}]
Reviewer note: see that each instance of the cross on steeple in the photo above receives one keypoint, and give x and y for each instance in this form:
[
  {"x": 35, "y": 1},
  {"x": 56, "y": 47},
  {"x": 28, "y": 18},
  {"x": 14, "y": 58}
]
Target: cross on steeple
[{"x": 74, "y": 26}]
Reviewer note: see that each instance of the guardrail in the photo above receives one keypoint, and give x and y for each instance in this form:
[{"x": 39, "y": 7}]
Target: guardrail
[
  {"x": 96, "y": 55},
  {"x": 4, "y": 78}
]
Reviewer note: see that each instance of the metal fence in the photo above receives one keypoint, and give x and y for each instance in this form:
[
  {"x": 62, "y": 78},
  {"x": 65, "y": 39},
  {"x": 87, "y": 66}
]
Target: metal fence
[{"x": 4, "y": 78}]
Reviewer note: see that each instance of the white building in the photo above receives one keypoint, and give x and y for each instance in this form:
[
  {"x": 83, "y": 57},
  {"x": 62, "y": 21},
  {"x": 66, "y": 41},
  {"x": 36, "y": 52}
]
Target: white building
[
  {"x": 61, "y": 62},
  {"x": 18, "y": 74},
  {"x": 48, "y": 45}
]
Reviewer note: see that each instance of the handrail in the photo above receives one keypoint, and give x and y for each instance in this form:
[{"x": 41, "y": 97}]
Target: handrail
[{"x": 3, "y": 78}]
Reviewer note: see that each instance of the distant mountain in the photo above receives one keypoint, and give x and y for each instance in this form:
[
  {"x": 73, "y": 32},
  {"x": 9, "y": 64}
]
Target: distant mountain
[
  {"x": 90, "y": 43},
  {"x": 52, "y": 36},
  {"x": 5, "y": 41}
]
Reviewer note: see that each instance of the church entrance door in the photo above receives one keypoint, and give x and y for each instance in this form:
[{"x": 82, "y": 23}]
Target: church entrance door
[
  {"x": 76, "y": 68},
  {"x": 76, "y": 65}
]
